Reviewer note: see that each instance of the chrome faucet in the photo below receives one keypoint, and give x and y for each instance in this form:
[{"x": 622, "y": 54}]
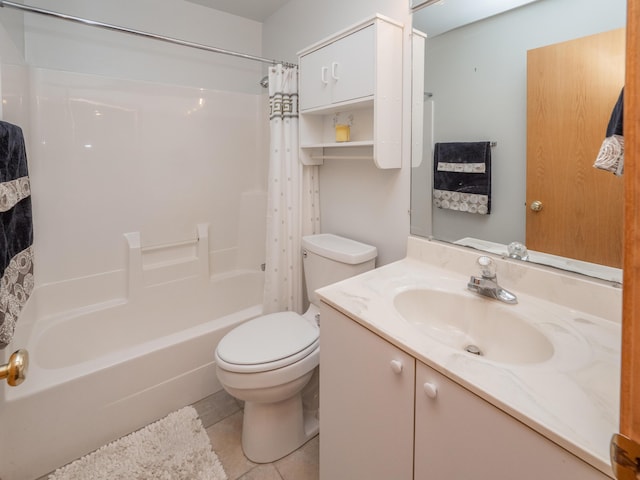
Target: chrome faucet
[{"x": 487, "y": 283}]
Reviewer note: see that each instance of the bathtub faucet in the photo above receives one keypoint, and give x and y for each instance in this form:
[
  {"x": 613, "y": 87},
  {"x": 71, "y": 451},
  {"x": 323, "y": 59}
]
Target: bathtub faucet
[{"x": 487, "y": 283}]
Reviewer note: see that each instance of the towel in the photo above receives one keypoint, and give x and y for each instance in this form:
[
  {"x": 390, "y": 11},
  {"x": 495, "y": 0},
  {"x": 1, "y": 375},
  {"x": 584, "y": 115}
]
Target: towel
[
  {"x": 611, "y": 154},
  {"x": 16, "y": 231},
  {"x": 462, "y": 176}
]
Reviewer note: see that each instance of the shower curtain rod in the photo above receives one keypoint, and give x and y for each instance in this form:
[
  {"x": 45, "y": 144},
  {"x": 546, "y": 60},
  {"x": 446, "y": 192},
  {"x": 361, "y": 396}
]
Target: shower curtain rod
[{"x": 107, "y": 26}]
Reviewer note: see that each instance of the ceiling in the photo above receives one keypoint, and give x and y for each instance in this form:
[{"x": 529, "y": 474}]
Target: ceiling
[
  {"x": 439, "y": 17},
  {"x": 444, "y": 15},
  {"x": 258, "y": 10}
]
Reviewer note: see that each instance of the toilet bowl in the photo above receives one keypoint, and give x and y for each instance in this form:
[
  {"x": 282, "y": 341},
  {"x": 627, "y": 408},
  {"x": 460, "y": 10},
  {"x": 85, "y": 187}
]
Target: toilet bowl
[
  {"x": 268, "y": 361},
  {"x": 256, "y": 363}
]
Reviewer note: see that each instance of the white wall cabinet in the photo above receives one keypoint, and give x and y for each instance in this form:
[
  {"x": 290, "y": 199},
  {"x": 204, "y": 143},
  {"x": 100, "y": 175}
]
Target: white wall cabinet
[
  {"x": 355, "y": 75},
  {"x": 370, "y": 427},
  {"x": 339, "y": 72}
]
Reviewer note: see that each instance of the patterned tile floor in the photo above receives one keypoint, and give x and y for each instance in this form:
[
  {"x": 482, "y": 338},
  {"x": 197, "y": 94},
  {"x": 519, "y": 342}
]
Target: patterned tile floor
[{"x": 221, "y": 415}]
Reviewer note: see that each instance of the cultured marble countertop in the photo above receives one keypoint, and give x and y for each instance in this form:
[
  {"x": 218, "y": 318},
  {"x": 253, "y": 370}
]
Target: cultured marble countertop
[{"x": 572, "y": 398}]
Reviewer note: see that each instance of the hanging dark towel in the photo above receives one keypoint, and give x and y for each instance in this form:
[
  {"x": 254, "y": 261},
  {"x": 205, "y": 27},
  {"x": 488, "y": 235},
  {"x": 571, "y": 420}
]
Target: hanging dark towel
[
  {"x": 616, "y": 123},
  {"x": 462, "y": 176},
  {"x": 611, "y": 154},
  {"x": 16, "y": 231}
]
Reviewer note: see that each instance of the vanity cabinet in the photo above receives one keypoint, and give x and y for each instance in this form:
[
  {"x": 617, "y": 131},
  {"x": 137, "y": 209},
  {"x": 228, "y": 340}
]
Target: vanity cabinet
[
  {"x": 385, "y": 415},
  {"x": 460, "y": 435},
  {"x": 366, "y": 403},
  {"x": 353, "y": 78}
]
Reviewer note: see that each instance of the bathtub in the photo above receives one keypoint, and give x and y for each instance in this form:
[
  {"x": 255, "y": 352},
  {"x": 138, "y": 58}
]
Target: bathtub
[{"x": 106, "y": 369}]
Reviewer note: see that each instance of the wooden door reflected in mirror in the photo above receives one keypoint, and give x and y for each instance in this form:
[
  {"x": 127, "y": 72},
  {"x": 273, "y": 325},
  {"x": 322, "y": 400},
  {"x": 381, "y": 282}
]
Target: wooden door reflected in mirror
[{"x": 572, "y": 87}]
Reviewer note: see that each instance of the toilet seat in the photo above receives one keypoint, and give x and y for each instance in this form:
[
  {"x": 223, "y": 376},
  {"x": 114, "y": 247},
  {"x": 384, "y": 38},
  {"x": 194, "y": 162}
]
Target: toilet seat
[{"x": 267, "y": 343}]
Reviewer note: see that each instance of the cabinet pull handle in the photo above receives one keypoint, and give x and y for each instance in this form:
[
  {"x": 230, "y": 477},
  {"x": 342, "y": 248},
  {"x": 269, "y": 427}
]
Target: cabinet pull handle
[
  {"x": 430, "y": 390},
  {"x": 396, "y": 366},
  {"x": 334, "y": 67},
  {"x": 323, "y": 75}
]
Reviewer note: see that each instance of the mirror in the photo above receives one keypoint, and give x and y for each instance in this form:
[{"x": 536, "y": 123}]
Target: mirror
[{"x": 470, "y": 84}]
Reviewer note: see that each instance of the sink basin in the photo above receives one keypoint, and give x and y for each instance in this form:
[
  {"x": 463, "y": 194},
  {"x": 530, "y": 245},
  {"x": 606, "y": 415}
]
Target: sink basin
[{"x": 474, "y": 323}]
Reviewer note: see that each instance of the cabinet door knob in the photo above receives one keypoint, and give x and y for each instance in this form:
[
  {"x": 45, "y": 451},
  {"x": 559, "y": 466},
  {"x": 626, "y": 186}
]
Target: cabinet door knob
[
  {"x": 396, "y": 366},
  {"x": 323, "y": 75},
  {"x": 430, "y": 390}
]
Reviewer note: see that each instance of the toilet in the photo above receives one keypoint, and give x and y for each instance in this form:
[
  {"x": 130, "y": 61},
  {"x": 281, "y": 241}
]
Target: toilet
[{"x": 268, "y": 361}]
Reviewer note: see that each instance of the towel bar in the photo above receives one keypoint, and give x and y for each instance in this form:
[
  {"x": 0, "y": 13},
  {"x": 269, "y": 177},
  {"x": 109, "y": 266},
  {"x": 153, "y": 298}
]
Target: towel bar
[
  {"x": 342, "y": 157},
  {"x": 170, "y": 245}
]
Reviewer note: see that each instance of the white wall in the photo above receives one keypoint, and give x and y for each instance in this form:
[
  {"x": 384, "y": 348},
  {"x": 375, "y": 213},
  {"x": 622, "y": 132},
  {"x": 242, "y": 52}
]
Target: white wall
[
  {"x": 127, "y": 134},
  {"x": 357, "y": 200},
  {"x": 477, "y": 75}
]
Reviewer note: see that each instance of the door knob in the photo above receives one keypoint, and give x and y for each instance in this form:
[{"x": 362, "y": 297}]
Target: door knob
[
  {"x": 16, "y": 370},
  {"x": 536, "y": 205}
]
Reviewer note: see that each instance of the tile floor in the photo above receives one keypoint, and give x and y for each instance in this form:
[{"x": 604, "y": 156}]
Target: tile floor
[{"x": 221, "y": 415}]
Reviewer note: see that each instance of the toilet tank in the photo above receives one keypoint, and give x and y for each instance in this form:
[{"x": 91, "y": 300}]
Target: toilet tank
[{"x": 330, "y": 258}]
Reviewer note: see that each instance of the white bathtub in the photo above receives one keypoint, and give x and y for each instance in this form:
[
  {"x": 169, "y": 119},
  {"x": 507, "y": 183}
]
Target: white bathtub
[{"x": 105, "y": 370}]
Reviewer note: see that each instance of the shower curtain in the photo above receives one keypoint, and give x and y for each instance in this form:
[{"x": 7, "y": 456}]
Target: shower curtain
[{"x": 292, "y": 197}]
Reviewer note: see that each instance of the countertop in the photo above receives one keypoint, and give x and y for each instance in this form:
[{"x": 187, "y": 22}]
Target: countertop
[{"x": 572, "y": 398}]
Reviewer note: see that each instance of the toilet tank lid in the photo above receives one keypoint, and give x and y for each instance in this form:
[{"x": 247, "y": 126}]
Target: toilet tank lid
[{"x": 339, "y": 248}]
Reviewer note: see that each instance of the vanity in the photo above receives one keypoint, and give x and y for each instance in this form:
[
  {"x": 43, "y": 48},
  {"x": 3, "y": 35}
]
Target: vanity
[{"x": 405, "y": 397}]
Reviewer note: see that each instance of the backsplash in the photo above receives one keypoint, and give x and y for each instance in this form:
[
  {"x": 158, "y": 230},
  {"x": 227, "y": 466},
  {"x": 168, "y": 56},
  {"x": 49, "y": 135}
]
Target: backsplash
[{"x": 575, "y": 291}]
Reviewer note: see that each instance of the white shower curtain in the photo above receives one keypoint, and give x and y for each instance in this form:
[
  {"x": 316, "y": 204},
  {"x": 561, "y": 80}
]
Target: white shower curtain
[{"x": 292, "y": 197}]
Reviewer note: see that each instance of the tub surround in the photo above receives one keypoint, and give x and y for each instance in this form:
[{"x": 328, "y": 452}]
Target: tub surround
[
  {"x": 180, "y": 160},
  {"x": 112, "y": 366},
  {"x": 572, "y": 399}
]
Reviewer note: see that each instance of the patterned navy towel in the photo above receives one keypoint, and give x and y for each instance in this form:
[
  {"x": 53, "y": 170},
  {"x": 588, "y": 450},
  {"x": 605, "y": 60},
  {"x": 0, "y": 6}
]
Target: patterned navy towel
[
  {"x": 16, "y": 230},
  {"x": 462, "y": 176},
  {"x": 611, "y": 154}
]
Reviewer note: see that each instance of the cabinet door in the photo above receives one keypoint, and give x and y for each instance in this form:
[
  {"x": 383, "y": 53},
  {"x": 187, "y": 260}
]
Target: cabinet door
[
  {"x": 315, "y": 89},
  {"x": 352, "y": 70},
  {"x": 366, "y": 403},
  {"x": 461, "y": 436},
  {"x": 341, "y": 71}
]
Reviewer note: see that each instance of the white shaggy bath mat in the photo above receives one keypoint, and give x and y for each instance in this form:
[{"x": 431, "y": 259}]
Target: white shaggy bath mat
[{"x": 175, "y": 447}]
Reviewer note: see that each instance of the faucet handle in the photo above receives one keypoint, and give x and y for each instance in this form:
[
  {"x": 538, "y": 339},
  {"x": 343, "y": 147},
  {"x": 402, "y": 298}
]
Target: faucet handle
[
  {"x": 487, "y": 267},
  {"x": 518, "y": 251}
]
